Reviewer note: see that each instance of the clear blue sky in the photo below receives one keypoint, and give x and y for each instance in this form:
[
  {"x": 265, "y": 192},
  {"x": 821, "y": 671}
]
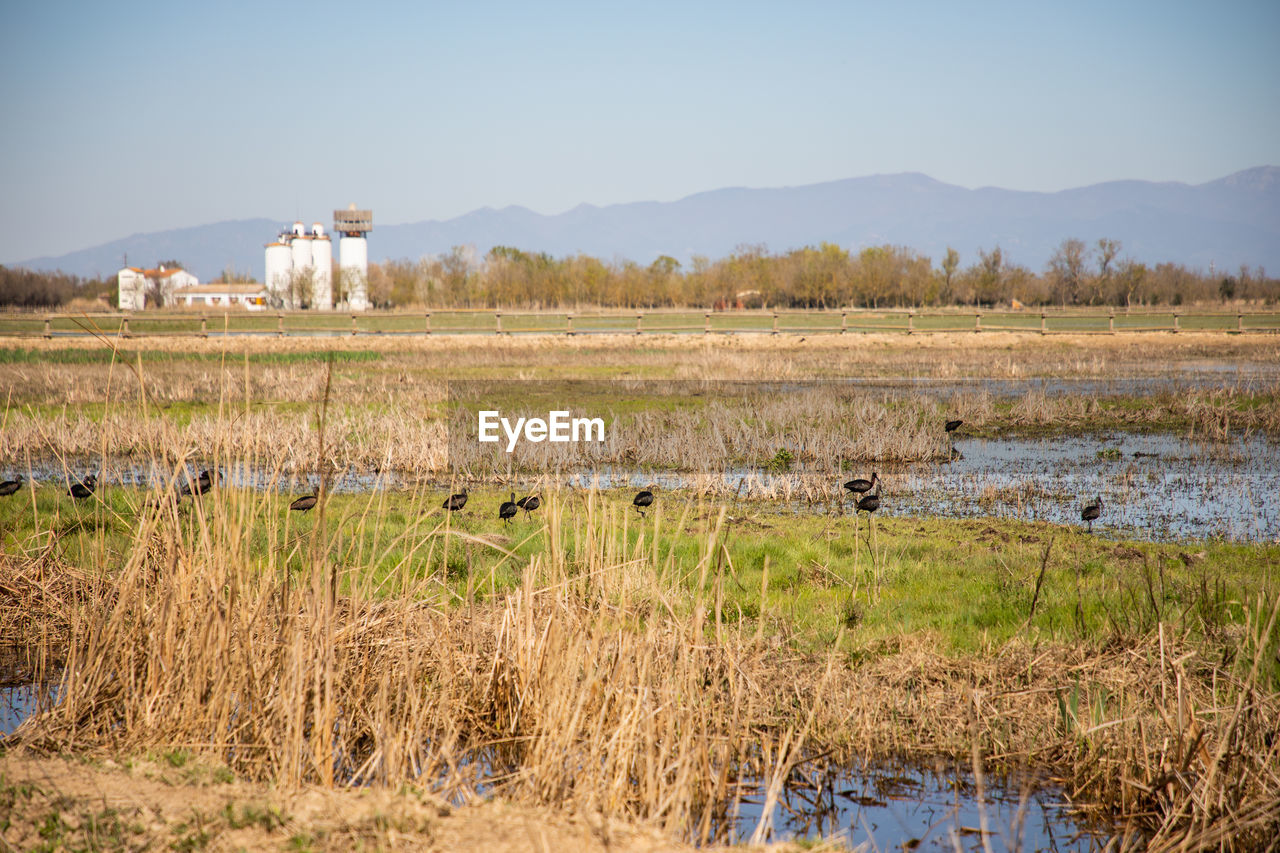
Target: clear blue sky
[{"x": 131, "y": 117}]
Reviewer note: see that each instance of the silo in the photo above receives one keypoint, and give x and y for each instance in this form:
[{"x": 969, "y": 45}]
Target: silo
[
  {"x": 300, "y": 281},
  {"x": 322, "y": 262},
  {"x": 353, "y": 261},
  {"x": 353, "y": 254},
  {"x": 279, "y": 268}
]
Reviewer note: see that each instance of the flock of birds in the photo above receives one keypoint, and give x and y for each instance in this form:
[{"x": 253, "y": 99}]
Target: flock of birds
[{"x": 867, "y": 501}]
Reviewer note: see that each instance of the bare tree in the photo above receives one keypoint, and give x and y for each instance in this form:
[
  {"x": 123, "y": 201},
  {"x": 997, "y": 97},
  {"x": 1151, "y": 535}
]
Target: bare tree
[{"x": 1067, "y": 271}]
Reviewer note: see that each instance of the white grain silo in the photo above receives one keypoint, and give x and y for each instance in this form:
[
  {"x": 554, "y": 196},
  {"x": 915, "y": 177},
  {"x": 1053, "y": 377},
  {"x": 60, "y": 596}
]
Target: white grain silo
[
  {"x": 322, "y": 262},
  {"x": 353, "y": 254},
  {"x": 279, "y": 269},
  {"x": 300, "y": 284}
]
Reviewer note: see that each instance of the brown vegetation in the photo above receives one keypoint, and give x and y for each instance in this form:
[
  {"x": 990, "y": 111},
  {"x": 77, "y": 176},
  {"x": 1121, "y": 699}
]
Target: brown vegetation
[{"x": 827, "y": 276}]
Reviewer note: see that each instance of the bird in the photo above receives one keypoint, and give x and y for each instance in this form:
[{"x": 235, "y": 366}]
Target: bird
[
  {"x": 8, "y": 487},
  {"x": 861, "y": 485},
  {"x": 83, "y": 489},
  {"x": 453, "y": 503},
  {"x": 952, "y": 426},
  {"x": 303, "y": 503},
  {"x": 529, "y": 504},
  {"x": 869, "y": 503},
  {"x": 1091, "y": 512},
  {"x": 643, "y": 499},
  {"x": 200, "y": 485},
  {"x": 508, "y": 509}
]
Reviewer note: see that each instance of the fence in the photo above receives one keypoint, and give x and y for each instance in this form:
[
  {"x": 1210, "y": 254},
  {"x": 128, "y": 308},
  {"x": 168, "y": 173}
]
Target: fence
[{"x": 766, "y": 322}]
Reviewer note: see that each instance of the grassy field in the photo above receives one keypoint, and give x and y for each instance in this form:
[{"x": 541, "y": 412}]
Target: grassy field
[
  {"x": 664, "y": 321},
  {"x": 590, "y": 661}
]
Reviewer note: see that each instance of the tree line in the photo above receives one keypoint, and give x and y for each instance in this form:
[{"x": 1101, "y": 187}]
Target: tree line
[
  {"x": 23, "y": 288},
  {"x": 826, "y": 276}
]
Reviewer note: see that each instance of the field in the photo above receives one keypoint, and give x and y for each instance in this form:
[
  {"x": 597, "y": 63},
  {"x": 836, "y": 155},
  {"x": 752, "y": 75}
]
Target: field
[
  {"x": 593, "y": 321},
  {"x": 700, "y": 674}
]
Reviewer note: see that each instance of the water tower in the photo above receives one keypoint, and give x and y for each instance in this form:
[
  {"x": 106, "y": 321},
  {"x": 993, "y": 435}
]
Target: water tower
[{"x": 353, "y": 254}]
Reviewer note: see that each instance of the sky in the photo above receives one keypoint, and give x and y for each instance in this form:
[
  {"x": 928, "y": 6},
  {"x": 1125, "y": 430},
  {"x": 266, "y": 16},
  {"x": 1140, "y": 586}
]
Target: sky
[{"x": 128, "y": 117}]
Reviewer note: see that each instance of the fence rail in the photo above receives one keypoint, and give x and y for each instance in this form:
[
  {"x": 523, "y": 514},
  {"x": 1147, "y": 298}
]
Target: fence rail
[{"x": 671, "y": 321}]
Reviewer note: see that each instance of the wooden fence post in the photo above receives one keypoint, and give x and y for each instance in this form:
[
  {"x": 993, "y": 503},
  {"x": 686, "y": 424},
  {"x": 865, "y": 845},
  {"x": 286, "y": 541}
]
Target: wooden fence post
[
  {"x": 568, "y": 324},
  {"x": 775, "y": 322},
  {"x": 706, "y": 330},
  {"x": 48, "y": 327},
  {"x": 1240, "y": 322},
  {"x": 204, "y": 326},
  {"x": 354, "y": 328},
  {"x": 280, "y": 325},
  {"x": 428, "y": 322},
  {"x": 1175, "y": 322},
  {"x": 911, "y": 322},
  {"x": 1044, "y": 328},
  {"x": 124, "y": 329},
  {"x": 977, "y": 322},
  {"x": 1111, "y": 321},
  {"x": 497, "y": 316},
  {"x": 844, "y": 322},
  {"x": 639, "y": 317}
]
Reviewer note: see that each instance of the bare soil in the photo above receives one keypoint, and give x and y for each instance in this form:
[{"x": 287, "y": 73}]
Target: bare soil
[{"x": 62, "y": 803}]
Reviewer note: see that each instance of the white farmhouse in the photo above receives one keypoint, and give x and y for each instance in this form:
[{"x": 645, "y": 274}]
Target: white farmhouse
[{"x": 138, "y": 286}]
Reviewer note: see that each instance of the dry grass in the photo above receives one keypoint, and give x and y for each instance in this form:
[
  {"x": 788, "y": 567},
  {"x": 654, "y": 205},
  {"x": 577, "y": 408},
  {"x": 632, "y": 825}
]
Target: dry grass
[{"x": 610, "y": 681}]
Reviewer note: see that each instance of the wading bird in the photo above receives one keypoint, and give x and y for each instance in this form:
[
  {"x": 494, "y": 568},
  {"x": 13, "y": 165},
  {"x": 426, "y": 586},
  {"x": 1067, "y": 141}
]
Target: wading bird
[
  {"x": 453, "y": 503},
  {"x": 8, "y": 487},
  {"x": 508, "y": 509},
  {"x": 529, "y": 504},
  {"x": 303, "y": 503},
  {"x": 870, "y": 503},
  {"x": 861, "y": 485},
  {"x": 1091, "y": 512},
  {"x": 84, "y": 489},
  {"x": 200, "y": 485},
  {"x": 642, "y": 500},
  {"x": 952, "y": 426}
]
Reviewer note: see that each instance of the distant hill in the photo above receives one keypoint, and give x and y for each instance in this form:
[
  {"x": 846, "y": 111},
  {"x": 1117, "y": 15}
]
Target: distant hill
[{"x": 1231, "y": 221}]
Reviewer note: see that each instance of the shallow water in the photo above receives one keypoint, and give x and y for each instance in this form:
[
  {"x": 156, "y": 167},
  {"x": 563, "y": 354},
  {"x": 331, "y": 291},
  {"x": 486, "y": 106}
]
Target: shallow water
[
  {"x": 1159, "y": 487},
  {"x": 907, "y": 807}
]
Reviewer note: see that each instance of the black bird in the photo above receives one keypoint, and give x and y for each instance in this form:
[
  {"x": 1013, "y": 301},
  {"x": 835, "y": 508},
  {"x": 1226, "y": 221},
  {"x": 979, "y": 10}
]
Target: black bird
[
  {"x": 303, "y": 504},
  {"x": 529, "y": 504},
  {"x": 83, "y": 489},
  {"x": 642, "y": 500},
  {"x": 952, "y": 426},
  {"x": 8, "y": 487},
  {"x": 861, "y": 485},
  {"x": 870, "y": 503},
  {"x": 453, "y": 503},
  {"x": 1091, "y": 512},
  {"x": 200, "y": 485},
  {"x": 508, "y": 509}
]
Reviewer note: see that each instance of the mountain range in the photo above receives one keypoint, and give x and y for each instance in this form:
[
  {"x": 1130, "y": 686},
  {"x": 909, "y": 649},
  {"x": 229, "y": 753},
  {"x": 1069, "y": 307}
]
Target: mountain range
[{"x": 1220, "y": 224}]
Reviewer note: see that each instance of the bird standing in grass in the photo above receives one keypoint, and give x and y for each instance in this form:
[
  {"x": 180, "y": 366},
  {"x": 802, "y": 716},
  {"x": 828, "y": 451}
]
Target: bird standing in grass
[
  {"x": 200, "y": 485},
  {"x": 1091, "y": 512},
  {"x": 8, "y": 487},
  {"x": 952, "y": 426},
  {"x": 869, "y": 503},
  {"x": 529, "y": 503},
  {"x": 84, "y": 489},
  {"x": 453, "y": 503},
  {"x": 643, "y": 500},
  {"x": 508, "y": 509},
  {"x": 303, "y": 503}
]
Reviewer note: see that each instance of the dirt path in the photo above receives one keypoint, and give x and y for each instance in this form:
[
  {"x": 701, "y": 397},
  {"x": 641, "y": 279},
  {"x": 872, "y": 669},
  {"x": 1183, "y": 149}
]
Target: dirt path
[{"x": 59, "y": 803}]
